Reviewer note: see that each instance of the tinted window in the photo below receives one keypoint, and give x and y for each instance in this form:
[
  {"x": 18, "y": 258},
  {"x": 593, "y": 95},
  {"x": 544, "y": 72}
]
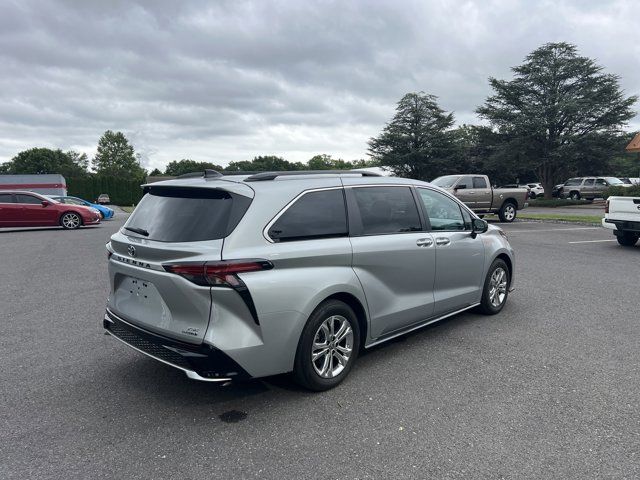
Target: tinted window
[
  {"x": 573, "y": 182},
  {"x": 188, "y": 214},
  {"x": 443, "y": 212},
  {"x": 588, "y": 182},
  {"x": 387, "y": 210},
  {"x": 6, "y": 198},
  {"x": 20, "y": 198},
  {"x": 465, "y": 182},
  {"x": 601, "y": 182},
  {"x": 479, "y": 182},
  {"x": 314, "y": 215}
]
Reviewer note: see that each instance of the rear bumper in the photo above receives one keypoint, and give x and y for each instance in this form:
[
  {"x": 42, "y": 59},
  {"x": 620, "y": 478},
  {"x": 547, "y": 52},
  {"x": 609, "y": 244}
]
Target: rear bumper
[
  {"x": 199, "y": 362},
  {"x": 621, "y": 225}
]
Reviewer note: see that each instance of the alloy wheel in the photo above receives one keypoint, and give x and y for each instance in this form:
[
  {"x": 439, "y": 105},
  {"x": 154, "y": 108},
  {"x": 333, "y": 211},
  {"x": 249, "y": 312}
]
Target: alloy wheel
[
  {"x": 70, "y": 220},
  {"x": 332, "y": 346},
  {"x": 498, "y": 287}
]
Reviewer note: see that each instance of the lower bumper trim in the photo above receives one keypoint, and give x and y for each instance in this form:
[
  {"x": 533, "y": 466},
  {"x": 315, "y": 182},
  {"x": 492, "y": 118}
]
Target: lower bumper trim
[{"x": 199, "y": 362}]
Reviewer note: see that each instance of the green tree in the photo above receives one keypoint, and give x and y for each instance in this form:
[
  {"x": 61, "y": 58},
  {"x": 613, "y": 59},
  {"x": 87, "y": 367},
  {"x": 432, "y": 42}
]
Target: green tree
[
  {"x": 268, "y": 163},
  {"x": 155, "y": 172},
  {"x": 418, "y": 141},
  {"x": 180, "y": 167},
  {"x": 116, "y": 157},
  {"x": 558, "y": 109},
  {"x": 46, "y": 160}
]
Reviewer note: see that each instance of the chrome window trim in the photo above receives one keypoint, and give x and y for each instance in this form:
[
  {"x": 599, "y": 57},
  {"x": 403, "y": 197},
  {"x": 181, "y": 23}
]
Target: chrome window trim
[{"x": 265, "y": 230}]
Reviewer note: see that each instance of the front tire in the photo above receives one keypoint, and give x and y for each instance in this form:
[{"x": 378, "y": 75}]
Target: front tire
[
  {"x": 496, "y": 288},
  {"x": 507, "y": 212},
  {"x": 328, "y": 346},
  {"x": 574, "y": 196},
  {"x": 70, "y": 221},
  {"x": 628, "y": 239}
]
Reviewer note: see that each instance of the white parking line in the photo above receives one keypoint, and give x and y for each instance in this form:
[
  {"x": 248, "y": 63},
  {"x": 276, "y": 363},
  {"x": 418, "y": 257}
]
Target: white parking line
[
  {"x": 594, "y": 241},
  {"x": 552, "y": 230}
]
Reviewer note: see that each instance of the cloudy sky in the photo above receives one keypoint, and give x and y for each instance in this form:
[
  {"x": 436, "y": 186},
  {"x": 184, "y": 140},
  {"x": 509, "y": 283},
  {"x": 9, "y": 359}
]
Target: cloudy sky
[{"x": 223, "y": 81}]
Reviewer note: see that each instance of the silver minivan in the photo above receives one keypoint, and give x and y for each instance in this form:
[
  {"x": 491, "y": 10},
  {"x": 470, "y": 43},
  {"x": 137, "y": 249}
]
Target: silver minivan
[{"x": 237, "y": 276}]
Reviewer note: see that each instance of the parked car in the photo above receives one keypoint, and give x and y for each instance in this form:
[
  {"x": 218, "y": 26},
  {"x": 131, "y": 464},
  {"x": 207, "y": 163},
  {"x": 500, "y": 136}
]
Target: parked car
[
  {"x": 589, "y": 187},
  {"x": 476, "y": 192},
  {"x": 105, "y": 212},
  {"x": 535, "y": 190},
  {"x": 103, "y": 199},
  {"x": 557, "y": 190},
  {"x": 29, "y": 209},
  {"x": 622, "y": 215},
  {"x": 228, "y": 277}
]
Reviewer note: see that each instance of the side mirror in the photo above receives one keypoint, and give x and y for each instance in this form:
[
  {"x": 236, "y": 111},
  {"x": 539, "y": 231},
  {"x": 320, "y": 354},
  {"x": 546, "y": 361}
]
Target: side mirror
[
  {"x": 479, "y": 226},
  {"x": 45, "y": 203},
  {"x": 460, "y": 187}
]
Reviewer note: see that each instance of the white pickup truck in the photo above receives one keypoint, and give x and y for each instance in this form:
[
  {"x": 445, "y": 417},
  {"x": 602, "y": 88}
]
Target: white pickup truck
[{"x": 622, "y": 215}]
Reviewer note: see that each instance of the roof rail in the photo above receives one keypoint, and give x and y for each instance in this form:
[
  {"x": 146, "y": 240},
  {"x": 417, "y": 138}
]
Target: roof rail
[
  {"x": 208, "y": 173},
  {"x": 258, "y": 177}
]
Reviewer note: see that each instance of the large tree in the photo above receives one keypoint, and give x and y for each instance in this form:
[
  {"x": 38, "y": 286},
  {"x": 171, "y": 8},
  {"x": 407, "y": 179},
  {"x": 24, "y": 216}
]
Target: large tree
[
  {"x": 45, "y": 160},
  {"x": 559, "y": 109},
  {"x": 180, "y": 167},
  {"x": 116, "y": 157},
  {"x": 418, "y": 141}
]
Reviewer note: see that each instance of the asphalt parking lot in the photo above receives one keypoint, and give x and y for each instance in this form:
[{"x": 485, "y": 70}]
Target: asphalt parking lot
[{"x": 549, "y": 388}]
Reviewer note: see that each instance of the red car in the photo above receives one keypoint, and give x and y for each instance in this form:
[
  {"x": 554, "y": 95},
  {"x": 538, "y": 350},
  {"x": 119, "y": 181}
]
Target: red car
[{"x": 28, "y": 209}]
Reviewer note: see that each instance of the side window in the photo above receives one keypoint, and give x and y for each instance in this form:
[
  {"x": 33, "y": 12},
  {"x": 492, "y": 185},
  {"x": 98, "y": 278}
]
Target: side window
[
  {"x": 465, "y": 182},
  {"x": 314, "y": 215},
  {"x": 572, "y": 182},
  {"x": 443, "y": 212},
  {"x": 387, "y": 210},
  {"x": 468, "y": 222},
  {"x": 601, "y": 182},
  {"x": 6, "y": 198},
  {"x": 588, "y": 182},
  {"x": 30, "y": 199},
  {"x": 480, "y": 182}
]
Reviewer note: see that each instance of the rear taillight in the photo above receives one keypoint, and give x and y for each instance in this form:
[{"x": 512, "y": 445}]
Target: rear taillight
[
  {"x": 217, "y": 274},
  {"x": 606, "y": 206}
]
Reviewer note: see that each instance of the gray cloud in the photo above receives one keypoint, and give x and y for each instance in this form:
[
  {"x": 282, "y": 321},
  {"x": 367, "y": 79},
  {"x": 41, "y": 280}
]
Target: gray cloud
[{"x": 224, "y": 81}]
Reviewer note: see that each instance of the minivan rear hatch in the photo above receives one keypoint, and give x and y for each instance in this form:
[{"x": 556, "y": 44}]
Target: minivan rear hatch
[{"x": 172, "y": 225}]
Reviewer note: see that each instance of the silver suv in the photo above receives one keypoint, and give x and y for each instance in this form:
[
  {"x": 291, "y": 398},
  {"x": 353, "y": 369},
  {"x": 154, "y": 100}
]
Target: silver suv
[
  {"x": 229, "y": 277},
  {"x": 589, "y": 188}
]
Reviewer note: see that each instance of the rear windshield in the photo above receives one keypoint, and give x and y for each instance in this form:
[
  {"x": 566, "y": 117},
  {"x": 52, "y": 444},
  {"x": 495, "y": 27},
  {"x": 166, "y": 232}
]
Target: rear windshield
[{"x": 187, "y": 214}]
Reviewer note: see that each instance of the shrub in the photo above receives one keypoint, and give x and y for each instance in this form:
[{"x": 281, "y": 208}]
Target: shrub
[{"x": 633, "y": 191}]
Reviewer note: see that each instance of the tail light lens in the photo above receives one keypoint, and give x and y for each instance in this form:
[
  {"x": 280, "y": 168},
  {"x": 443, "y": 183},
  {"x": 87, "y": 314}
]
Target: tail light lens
[
  {"x": 217, "y": 274},
  {"x": 606, "y": 206}
]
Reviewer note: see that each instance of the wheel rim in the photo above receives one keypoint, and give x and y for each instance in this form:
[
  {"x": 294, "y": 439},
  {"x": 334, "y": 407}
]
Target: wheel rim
[
  {"x": 71, "y": 220},
  {"x": 498, "y": 287},
  {"x": 509, "y": 212},
  {"x": 332, "y": 346}
]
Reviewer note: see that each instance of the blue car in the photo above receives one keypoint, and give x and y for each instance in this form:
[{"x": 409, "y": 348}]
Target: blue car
[{"x": 105, "y": 212}]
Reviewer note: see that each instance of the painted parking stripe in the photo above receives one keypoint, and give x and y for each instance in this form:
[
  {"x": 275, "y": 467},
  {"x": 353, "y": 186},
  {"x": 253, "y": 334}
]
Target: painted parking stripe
[
  {"x": 506, "y": 230},
  {"x": 594, "y": 241}
]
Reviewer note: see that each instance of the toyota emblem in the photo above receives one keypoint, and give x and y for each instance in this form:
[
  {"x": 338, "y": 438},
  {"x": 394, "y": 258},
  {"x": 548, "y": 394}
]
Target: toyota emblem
[{"x": 131, "y": 250}]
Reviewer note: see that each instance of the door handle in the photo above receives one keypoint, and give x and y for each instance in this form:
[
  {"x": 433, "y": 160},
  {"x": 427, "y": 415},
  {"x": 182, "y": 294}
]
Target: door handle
[
  {"x": 424, "y": 242},
  {"x": 442, "y": 241},
  {"x": 471, "y": 193}
]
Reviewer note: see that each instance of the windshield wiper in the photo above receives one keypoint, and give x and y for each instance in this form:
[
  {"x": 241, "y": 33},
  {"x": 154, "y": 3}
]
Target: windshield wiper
[{"x": 141, "y": 231}]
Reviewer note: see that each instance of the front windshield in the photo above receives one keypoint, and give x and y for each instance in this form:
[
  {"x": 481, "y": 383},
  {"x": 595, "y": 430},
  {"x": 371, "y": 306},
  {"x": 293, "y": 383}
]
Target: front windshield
[
  {"x": 614, "y": 181},
  {"x": 445, "y": 182},
  {"x": 51, "y": 199}
]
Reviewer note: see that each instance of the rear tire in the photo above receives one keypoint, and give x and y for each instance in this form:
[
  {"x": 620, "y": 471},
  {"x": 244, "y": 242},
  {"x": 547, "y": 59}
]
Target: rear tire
[
  {"x": 496, "y": 288},
  {"x": 70, "y": 221},
  {"x": 328, "y": 346},
  {"x": 628, "y": 239},
  {"x": 507, "y": 212}
]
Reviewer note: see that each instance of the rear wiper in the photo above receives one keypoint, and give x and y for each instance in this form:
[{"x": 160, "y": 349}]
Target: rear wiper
[{"x": 141, "y": 231}]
